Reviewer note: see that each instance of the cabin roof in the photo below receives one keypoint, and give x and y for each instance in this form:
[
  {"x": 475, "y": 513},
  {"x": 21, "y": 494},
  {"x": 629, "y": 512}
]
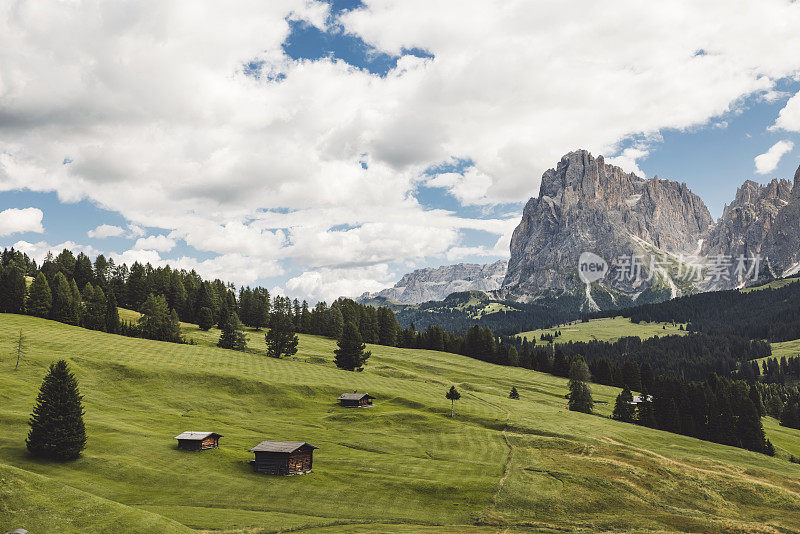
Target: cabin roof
[
  {"x": 192, "y": 436},
  {"x": 355, "y": 396},
  {"x": 280, "y": 446}
]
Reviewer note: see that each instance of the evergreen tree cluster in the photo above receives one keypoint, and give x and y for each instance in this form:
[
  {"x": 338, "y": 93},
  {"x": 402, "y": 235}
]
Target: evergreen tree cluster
[
  {"x": 769, "y": 314},
  {"x": 74, "y": 290},
  {"x": 718, "y": 409}
]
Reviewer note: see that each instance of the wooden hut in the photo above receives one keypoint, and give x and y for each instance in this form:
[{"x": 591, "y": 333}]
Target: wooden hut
[
  {"x": 355, "y": 400},
  {"x": 283, "y": 457},
  {"x": 198, "y": 441}
]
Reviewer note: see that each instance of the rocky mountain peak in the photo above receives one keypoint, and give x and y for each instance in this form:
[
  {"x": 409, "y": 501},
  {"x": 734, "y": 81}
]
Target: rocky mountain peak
[
  {"x": 796, "y": 189},
  {"x": 587, "y": 205}
]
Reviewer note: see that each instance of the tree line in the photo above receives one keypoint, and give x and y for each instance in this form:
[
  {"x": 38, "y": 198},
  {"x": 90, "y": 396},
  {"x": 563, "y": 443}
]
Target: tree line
[
  {"x": 717, "y": 409},
  {"x": 772, "y": 314}
]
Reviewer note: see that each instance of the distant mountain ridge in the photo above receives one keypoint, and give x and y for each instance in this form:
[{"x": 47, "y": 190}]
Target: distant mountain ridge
[{"x": 436, "y": 283}]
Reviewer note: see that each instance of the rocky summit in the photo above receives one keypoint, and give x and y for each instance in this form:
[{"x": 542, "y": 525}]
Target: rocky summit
[{"x": 657, "y": 238}]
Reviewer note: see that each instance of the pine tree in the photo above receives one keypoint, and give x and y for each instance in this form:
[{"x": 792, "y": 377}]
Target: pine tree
[
  {"x": 63, "y": 309},
  {"x": 335, "y": 325},
  {"x": 158, "y": 322},
  {"x": 580, "y": 396},
  {"x": 205, "y": 319},
  {"x": 56, "y": 426},
  {"x": 232, "y": 336},
  {"x": 513, "y": 356},
  {"x": 40, "y": 298},
  {"x": 12, "y": 289},
  {"x": 281, "y": 339},
  {"x": 514, "y": 394},
  {"x": 351, "y": 355},
  {"x": 452, "y": 395},
  {"x": 624, "y": 408},
  {"x": 112, "y": 314}
]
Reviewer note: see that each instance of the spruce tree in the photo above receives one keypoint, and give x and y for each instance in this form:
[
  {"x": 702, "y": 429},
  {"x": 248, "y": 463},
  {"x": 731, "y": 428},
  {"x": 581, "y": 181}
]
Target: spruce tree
[
  {"x": 205, "y": 319},
  {"x": 580, "y": 396},
  {"x": 514, "y": 393},
  {"x": 62, "y": 309},
  {"x": 12, "y": 289},
  {"x": 281, "y": 339},
  {"x": 158, "y": 322},
  {"x": 513, "y": 356},
  {"x": 335, "y": 325},
  {"x": 452, "y": 395},
  {"x": 112, "y": 314},
  {"x": 40, "y": 298},
  {"x": 624, "y": 408},
  {"x": 232, "y": 336},
  {"x": 56, "y": 426},
  {"x": 351, "y": 354}
]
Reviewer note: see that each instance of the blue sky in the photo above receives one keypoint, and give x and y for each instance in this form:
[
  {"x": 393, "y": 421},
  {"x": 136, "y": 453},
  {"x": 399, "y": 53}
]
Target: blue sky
[{"x": 325, "y": 148}]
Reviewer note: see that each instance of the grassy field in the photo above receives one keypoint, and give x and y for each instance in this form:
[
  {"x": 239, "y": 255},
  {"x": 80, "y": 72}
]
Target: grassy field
[
  {"x": 608, "y": 329},
  {"x": 403, "y": 466},
  {"x": 775, "y": 284}
]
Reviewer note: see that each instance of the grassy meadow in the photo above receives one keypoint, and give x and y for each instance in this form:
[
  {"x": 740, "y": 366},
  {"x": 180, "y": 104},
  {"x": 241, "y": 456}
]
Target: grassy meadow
[
  {"x": 402, "y": 466},
  {"x": 606, "y": 329}
]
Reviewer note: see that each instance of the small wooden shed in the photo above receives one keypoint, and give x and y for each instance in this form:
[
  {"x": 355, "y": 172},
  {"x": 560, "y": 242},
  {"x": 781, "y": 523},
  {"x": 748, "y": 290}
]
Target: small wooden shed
[
  {"x": 355, "y": 400},
  {"x": 283, "y": 457},
  {"x": 198, "y": 441}
]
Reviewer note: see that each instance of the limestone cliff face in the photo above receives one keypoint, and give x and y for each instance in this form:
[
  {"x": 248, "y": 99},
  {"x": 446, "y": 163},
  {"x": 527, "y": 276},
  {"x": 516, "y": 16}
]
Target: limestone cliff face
[
  {"x": 427, "y": 284},
  {"x": 586, "y": 205},
  {"x": 781, "y": 245},
  {"x": 748, "y": 225}
]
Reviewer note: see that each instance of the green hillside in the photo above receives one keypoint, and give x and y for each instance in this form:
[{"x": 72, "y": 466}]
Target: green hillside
[
  {"x": 607, "y": 329},
  {"x": 402, "y": 466}
]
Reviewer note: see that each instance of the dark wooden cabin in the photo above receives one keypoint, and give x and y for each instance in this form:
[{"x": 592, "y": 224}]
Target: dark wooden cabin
[
  {"x": 355, "y": 400},
  {"x": 198, "y": 441},
  {"x": 283, "y": 457}
]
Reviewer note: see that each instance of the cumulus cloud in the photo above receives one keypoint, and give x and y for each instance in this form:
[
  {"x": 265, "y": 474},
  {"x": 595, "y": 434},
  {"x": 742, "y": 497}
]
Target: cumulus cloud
[
  {"x": 317, "y": 162},
  {"x": 38, "y": 251},
  {"x": 329, "y": 284},
  {"x": 789, "y": 117},
  {"x": 768, "y": 161},
  {"x": 105, "y": 230},
  {"x": 628, "y": 160},
  {"x": 160, "y": 243},
  {"x": 15, "y": 221}
]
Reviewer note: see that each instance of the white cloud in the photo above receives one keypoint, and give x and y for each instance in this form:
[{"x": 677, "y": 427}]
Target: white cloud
[
  {"x": 105, "y": 230},
  {"x": 330, "y": 284},
  {"x": 768, "y": 161},
  {"x": 15, "y": 221},
  {"x": 628, "y": 160},
  {"x": 38, "y": 251},
  {"x": 789, "y": 117},
  {"x": 160, "y": 243},
  {"x": 163, "y": 125}
]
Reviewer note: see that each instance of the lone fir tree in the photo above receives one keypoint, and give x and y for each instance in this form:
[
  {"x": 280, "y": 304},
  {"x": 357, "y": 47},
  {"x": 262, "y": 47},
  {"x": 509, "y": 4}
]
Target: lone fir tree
[
  {"x": 351, "y": 354},
  {"x": 232, "y": 336},
  {"x": 453, "y": 395},
  {"x": 57, "y": 431},
  {"x": 281, "y": 339},
  {"x": 514, "y": 394}
]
